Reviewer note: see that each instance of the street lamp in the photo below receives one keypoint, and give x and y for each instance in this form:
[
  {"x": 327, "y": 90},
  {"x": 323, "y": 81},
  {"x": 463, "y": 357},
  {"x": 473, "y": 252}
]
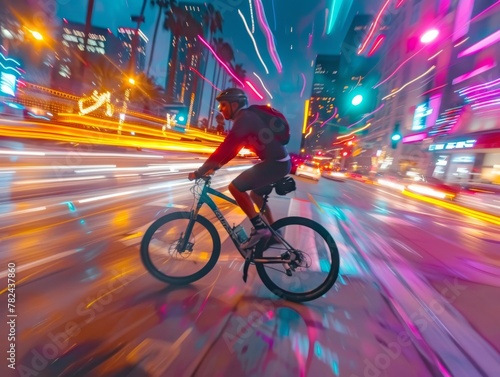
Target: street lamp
[
  {"x": 36, "y": 35},
  {"x": 429, "y": 36},
  {"x": 357, "y": 99}
]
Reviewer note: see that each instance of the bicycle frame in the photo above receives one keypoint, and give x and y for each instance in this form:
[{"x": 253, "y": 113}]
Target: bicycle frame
[{"x": 206, "y": 199}]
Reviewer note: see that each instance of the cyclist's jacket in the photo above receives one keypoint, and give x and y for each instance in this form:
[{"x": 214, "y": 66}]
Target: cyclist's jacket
[{"x": 250, "y": 131}]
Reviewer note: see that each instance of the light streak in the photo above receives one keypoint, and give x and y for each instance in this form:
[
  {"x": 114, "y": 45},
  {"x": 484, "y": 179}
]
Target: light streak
[
  {"x": 373, "y": 26},
  {"x": 436, "y": 54},
  {"x": 306, "y": 114},
  {"x": 400, "y": 2},
  {"x": 314, "y": 121},
  {"x": 274, "y": 15},
  {"x": 367, "y": 115},
  {"x": 397, "y": 69},
  {"x": 333, "y": 17},
  {"x": 254, "y": 90},
  {"x": 474, "y": 72},
  {"x": 355, "y": 131},
  {"x": 409, "y": 82},
  {"x": 228, "y": 70},
  {"x": 482, "y": 44},
  {"x": 433, "y": 89},
  {"x": 251, "y": 15},
  {"x": 269, "y": 36},
  {"x": 262, "y": 83},
  {"x": 326, "y": 121},
  {"x": 378, "y": 41},
  {"x": 303, "y": 84},
  {"x": 204, "y": 78},
  {"x": 95, "y": 198},
  {"x": 486, "y": 85},
  {"x": 253, "y": 40},
  {"x": 310, "y": 130},
  {"x": 485, "y": 11},
  {"x": 461, "y": 42}
]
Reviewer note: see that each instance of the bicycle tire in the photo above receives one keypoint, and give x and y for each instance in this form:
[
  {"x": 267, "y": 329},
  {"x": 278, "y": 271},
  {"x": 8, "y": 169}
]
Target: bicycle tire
[
  {"x": 181, "y": 280},
  {"x": 332, "y": 274}
]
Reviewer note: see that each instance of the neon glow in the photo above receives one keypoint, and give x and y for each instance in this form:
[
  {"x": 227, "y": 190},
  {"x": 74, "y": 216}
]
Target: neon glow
[
  {"x": 309, "y": 42},
  {"x": 314, "y": 121},
  {"x": 251, "y": 15},
  {"x": 429, "y": 36},
  {"x": 482, "y": 44},
  {"x": 253, "y": 40},
  {"x": 204, "y": 78},
  {"x": 262, "y": 83},
  {"x": 475, "y": 72},
  {"x": 103, "y": 99},
  {"x": 306, "y": 115},
  {"x": 414, "y": 138},
  {"x": 392, "y": 94},
  {"x": 303, "y": 84},
  {"x": 434, "y": 104},
  {"x": 397, "y": 69},
  {"x": 228, "y": 70},
  {"x": 254, "y": 90},
  {"x": 334, "y": 12},
  {"x": 373, "y": 27},
  {"x": 378, "y": 41},
  {"x": 329, "y": 119},
  {"x": 308, "y": 133},
  {"x": 444, "y": 5},
  {"x": 462, "y": 19},
  {"x": 269, "y": 35}
]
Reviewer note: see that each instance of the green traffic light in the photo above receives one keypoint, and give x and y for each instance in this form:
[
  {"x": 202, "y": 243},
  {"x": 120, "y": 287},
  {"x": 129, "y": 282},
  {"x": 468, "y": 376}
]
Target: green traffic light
[
  {"x": 396, "y": 137},
  {"x": 357, "y": 99}
]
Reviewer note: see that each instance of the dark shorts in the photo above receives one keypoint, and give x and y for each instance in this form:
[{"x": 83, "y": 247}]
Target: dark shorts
[{"x": 260, "y": 176}]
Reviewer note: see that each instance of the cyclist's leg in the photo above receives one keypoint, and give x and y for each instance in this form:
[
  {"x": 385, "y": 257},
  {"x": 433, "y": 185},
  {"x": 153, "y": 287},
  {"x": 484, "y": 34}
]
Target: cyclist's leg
[{"x": 275, "y": 171}]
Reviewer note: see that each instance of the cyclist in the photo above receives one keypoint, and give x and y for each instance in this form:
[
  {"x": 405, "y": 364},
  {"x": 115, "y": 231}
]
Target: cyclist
[{"x": 251, "y": 131}]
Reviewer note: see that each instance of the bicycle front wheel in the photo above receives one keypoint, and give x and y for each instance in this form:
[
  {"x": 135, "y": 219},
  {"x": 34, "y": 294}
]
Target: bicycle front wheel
[
  {"x": 314, "y": 257},
  {"x": 162, "y": 253}
]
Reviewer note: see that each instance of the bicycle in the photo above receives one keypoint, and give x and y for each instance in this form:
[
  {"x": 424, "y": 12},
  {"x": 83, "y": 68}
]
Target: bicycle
[{"x": 193, "y": 242}]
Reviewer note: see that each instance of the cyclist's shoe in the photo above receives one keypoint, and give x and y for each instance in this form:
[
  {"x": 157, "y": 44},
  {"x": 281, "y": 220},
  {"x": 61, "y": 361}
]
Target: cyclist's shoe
[{"x": 255, "y": 236}]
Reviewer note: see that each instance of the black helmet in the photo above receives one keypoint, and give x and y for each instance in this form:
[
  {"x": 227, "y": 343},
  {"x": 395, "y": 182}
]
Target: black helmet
[{"x": 232, "y": 95}]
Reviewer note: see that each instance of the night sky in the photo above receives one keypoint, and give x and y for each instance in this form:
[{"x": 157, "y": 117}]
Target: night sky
[{"x": 291, "y": 22}]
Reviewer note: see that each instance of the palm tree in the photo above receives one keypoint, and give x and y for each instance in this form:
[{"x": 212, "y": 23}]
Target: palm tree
[
  {"x": 105, "y": 75},
  {"x": 163, "y": 8},
  {"x": 148, "y": 93},
  {"x": 226, "y": 54},
  {"x": 177, "y": 22},
  {"x": 213, "y": 19},
  {"x": 240, "y": 73}
]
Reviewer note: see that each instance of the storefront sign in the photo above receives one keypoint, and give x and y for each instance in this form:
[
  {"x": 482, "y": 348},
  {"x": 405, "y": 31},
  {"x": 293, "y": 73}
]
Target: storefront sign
[{"x": 452, "y": 145}]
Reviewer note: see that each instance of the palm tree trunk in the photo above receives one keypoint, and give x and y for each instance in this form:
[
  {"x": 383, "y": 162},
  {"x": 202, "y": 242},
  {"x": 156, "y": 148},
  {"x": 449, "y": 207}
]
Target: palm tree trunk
[
  {"x": 212, "y": 95},
  {"x": 204, "y": 73},
  {"x": 154, "y": 41},
  {"x": 171, "y": 74}
]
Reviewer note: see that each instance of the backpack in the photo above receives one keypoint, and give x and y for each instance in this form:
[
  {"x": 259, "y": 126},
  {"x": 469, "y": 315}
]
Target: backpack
[{"x": 276, "y": 121}]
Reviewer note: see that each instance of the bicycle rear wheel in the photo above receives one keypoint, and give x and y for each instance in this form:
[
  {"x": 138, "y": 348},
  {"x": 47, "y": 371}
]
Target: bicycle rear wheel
[
  {"x": 315, "y": 260},
  {"x": 161, "y": 254}
]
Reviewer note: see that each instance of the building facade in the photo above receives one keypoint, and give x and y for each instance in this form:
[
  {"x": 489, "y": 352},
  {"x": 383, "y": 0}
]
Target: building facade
[{"x": 124, "y": 56}]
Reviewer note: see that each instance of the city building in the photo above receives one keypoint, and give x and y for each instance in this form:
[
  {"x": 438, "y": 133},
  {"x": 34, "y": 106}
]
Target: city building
[
  {"x": 187, "y": 60},
  {"x": 441, "y": 87},
  {"x": 322, "y": 111},
  {"x": 126, "y": 36}
]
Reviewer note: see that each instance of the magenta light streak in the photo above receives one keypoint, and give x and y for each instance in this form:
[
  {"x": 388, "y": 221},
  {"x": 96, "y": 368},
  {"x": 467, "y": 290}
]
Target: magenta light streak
[
  {"x": 482, "y": 44},
  {"x": 481, "y": 96},
  {"x": 269, "y": 36},
  {"x": 400, "y": 2},
  {"x": 329, "y": 119},
  {"x": 473, "y": 73},
  {"x": 254, "y": 90},
  {"x": 314, "y": 121},
  {"x": 378, "y": 41},
  {"x": 444, "y": 5},
  {"x": 434, "y": 104},
  {"x": 414, "y": 138},
  {"x": 309, "y": 42},
  {"x": 462, "y": 19},
  {"x": 220, "y": 61},
  {"x": 204, "y": 78},
  {"x": 433, "y": 89},
  {"x": 303, "y": 84},
  {"x": 486, "y": 85},
  {"x": 485, "y": 11},
  {"x": 373, "y": 27},
  {"x": 397, "y": 69}
]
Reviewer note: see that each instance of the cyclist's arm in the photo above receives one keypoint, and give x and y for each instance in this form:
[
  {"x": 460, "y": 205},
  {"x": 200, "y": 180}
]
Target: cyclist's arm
[{"x": 225, "y": 152}]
